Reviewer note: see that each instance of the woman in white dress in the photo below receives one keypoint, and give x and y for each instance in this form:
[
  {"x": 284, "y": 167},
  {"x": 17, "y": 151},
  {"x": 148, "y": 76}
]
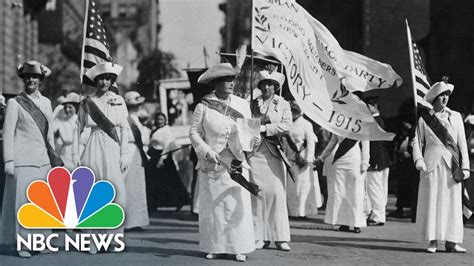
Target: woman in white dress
[
  {"x": 225, "y": 213},
  {"x": 347, "y": 161},
  {"x": 105, "y": 113},
  {"x": 267, "y": 168},
  {"x": 304, "y": 195},
  {"x": 25, "y": 149},
  {"x": 65, "y": 129},
  {"x": 439, "y": 211},
  {"x": 136, "y": 211}
]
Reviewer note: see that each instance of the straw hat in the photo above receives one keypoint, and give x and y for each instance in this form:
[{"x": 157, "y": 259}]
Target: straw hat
[
  {"x": 133, "y": 98},
  {"x": 274, "y": 76},
  {"x": 104, "y": 68},
  {"x": 437, "y": 89},
  {"x": 33, "y": 68},
  {"x": 217, "y": 71}
]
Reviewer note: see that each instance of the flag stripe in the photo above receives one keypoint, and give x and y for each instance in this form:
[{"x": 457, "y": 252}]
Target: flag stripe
[
  {"x": 423, "y": 83},
  {"x": 95, "y": 47},
  {"x": 95, "y": 51},
  {"x": 88, "y": 64}
]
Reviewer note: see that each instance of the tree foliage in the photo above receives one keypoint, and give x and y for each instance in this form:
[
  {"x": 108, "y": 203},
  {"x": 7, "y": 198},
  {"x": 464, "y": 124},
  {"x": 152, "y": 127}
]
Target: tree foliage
[{"x": 157, "y": 65}]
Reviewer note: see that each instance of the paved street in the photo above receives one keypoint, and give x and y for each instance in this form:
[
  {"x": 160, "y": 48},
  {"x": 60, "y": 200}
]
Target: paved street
[{"x": 172, "y": 239}]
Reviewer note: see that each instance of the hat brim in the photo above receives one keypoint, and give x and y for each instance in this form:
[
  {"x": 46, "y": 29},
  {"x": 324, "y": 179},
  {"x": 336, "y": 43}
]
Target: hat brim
[
  {"x": 436, "y": 90},
  {"x": 103, "y": 68},
  {"x": 139, "y": 101},
  {"x": 217, "y": 71}
]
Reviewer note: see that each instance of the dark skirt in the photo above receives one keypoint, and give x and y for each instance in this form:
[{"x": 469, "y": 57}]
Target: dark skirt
[{"x": 164, "y": 185}]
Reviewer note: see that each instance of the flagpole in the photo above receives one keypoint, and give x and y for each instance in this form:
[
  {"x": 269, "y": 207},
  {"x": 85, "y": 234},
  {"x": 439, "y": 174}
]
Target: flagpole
[
  {"x": 251, "y": 58},
  {"x": 84, "y": 31},
  {"x": 251, "y": 79},
  {"x": 81, "y": 74},
  {"x": 412, "y": 66}
]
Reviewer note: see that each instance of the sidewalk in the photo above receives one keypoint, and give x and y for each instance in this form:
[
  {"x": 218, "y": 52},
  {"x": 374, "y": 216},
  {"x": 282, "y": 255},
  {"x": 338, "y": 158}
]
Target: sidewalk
[{"x": 172, "y": 239}]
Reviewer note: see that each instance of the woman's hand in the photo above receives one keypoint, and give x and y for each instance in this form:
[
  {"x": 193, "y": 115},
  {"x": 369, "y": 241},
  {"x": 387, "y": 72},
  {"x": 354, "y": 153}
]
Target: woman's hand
[
  {"x": 420, "y": 165},
  {"x": 212, "y": 156},
  {"x": 160, "y": 163},
  {"x": 467, "y": 174},
  {"x": 256, "y": 140},
  {"x": 363, "y": 168},
  {"x": 124, "y": 164},
  {"x": 10, "y": 168}
]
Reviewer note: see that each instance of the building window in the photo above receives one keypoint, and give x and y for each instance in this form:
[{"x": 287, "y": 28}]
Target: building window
[
  {"x": 132, "y": 11},
  {"x": 122, "y": 11},
  {"x": 105, "y": 10}
]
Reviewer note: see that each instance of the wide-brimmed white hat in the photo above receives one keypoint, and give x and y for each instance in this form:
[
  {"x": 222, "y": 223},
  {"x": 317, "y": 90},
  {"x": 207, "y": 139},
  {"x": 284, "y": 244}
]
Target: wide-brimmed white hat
[
  {"x": 33, "y": 67},
  {"x": 437, "y": 89},
  {"x": 274, "y": 76},
  {"x": 71, "y": 97},
  {"x": 217, "y": 71},
  {"x": 133, "y": 98},
  {"x": 104, "y": 68}
]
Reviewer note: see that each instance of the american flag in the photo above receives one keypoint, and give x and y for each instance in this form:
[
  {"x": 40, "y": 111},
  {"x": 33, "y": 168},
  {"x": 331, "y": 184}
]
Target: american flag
[
  {"x": 420, "y": 88},
  {"x": 95, "y": 47},
  {"x": 421, "y": 84}
]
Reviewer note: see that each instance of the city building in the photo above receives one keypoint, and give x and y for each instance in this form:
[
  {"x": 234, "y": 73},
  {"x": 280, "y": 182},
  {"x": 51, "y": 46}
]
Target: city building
[{"x": 18, "y": 39}]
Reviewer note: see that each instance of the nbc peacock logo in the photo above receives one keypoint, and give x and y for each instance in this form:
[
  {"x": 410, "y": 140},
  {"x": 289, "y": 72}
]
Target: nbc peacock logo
[{"x": 71, "y": 201}]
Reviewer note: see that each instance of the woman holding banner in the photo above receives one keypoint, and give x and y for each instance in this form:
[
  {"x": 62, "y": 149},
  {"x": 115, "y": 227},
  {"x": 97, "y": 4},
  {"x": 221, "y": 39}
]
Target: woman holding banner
[
  {"x": 27, "y": 148},
  {"x": 106, "y": 152},
  {"x": 440, "y": 153},
  {"x": 267, "y": 166},
  {"x": 225, "y": 217}
]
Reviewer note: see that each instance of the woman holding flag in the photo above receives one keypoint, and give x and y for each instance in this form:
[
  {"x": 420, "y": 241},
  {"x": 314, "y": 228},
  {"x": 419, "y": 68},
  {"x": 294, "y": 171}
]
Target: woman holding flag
[
  {"x": 106, "y": 152},
  {"x": 440, "y": 153},
  {"x": 225, "y": 212}
]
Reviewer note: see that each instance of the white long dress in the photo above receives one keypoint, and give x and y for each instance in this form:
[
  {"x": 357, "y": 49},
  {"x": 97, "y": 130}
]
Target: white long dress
[
  {"x": 225, "y": 211},
  {"x": 65, "y": 130},
  {"x": 102, "y": 154},
  {"x": 439, "y": 210},
  {"x": 23, "y": 144},
  {"x": 304, "y": 195},
  {"x": 136, "y": 211},
  {"x": 346, "y": 184}
]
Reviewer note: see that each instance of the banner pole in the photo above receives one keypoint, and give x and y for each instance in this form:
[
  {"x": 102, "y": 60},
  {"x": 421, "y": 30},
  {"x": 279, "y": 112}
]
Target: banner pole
[{"x": 251, "y": 80}]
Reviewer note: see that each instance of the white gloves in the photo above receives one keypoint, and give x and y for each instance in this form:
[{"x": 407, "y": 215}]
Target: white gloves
[
  {"x": 467, "y": 174},
  {"x": 10, "y": 168},
  {"x": 212, "y": 156},
  {"x": 363, "y": 168},
  {"x": 420, "y": 165}
]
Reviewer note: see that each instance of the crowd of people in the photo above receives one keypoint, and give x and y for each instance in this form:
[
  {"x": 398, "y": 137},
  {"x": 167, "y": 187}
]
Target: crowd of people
[{"x": 296, "y": 167}]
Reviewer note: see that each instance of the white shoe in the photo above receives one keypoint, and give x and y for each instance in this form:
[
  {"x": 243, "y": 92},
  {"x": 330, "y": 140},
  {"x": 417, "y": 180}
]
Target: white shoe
[
  {"x": 211, "y": 256},
  {"x": 45, "y": 251},
  {"x": 24, "y": 254},
  {"x": 456, "y": 248},
  {"x": 432, "y": 247},
  {"x": 283, "y": 246},
  {"x": 240, "y": 257},
  {"x": 259, "y": 244},
  {"x": 93, "y": 250}
]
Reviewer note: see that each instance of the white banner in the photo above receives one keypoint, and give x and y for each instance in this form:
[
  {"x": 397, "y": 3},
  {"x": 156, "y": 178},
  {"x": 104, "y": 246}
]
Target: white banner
[{"x": 320, "y": 74}]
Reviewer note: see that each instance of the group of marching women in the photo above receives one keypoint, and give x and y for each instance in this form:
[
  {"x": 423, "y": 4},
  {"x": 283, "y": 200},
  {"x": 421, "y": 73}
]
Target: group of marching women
[
  {"x": 35, "y": 139},
  {"x": 232, "y": 221},
  {"x": 245, "y": 198}
]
